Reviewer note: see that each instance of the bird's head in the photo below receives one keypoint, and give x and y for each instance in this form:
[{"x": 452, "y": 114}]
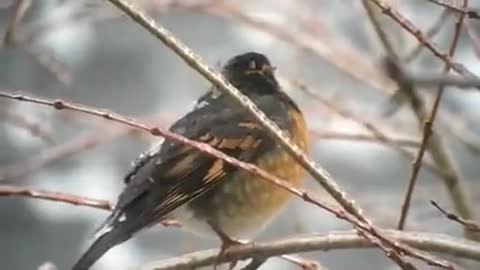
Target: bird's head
[{"x": 251, "y": 72}]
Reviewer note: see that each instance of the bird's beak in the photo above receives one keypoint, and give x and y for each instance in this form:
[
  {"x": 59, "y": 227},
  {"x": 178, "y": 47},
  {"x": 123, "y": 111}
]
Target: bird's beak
[{"x": 267, "y": 69}]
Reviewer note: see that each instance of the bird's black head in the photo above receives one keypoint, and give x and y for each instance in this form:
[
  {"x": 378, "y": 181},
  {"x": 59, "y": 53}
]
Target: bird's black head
[{"x": 251, "y": 72}]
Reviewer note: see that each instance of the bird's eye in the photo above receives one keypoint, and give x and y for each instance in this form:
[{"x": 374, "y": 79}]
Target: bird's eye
[{"x": 252, "y": 65}]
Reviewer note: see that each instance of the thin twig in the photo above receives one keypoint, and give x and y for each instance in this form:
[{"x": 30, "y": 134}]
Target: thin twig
[
  {"x": 45, "y": 61},
  {"x": 49, "y": 63},
  {"x": 35, "y": 129},
  {"x": 15, "y": 191},
  {"x": 402, "y": 75},
  {"x": 255, "y": 263},
  {"x": 303, "y": 263},
  {"x": 431, "y": 32},
  {"x": 82, "y": 142},
  {"x": 19, "y": 10},
  {"x": 74, "y": 146},
  {"x": 339, "y": 135},
  {"x": 475, "y": 38},
  {"x": 470, "y": 13},
  {"x": 467, "y": 223}
]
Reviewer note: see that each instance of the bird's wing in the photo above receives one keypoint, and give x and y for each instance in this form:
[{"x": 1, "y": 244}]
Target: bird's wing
[{"x": 177, "y": 173}]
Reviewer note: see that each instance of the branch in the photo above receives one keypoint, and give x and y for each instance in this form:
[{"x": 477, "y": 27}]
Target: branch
[
  {"x": 332, "y": 241},
  {"x": 470, "y": 13},
  {"x": 467, "y": 223},
  {"x": 65, "y": 150},
  {"x": 303, "y": 263},
  {"x": 20, "y": 9},
  {"x": 429, "y": 33},
  {"x": 35, "y": 129},
  {"x": 399, "y": 73},
  {"x": 413, "y": 30},
  {"x": 340, "y": 135},
  {"x": 17, "y": 191}
]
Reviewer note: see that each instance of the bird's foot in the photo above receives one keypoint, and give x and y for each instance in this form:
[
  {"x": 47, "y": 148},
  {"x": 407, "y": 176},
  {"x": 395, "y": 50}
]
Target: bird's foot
[{"x": 227, "y": 244}]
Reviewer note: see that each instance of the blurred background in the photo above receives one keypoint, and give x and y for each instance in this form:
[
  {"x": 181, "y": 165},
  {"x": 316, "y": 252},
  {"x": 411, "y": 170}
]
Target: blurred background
[{"x": 88, "y": 52}]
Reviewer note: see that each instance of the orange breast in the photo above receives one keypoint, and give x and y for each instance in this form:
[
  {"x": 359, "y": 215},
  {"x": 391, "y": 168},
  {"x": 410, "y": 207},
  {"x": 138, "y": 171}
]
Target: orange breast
[{"x": 247, "y": 202}]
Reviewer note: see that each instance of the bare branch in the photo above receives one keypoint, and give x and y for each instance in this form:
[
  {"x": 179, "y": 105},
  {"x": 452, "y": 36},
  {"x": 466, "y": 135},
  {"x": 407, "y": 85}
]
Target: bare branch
[
  {"x": 35, "y": 129},
  {"x": 467, "y": 223},
  {"x": 412, "y": 29},
  {"x": 339, "y": 135},
  {"x": 469, "y": 13},
  {"x": 332, "y": 241},
  {"x": 403, "y": 76},
  {"x": 15, "y": 191},
  {"x": 20, "y": 8},
  {"x": 431, "y": 32}
]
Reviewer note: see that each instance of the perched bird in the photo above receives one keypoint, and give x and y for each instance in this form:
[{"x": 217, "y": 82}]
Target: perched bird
[{"x": 205, "y": 194}]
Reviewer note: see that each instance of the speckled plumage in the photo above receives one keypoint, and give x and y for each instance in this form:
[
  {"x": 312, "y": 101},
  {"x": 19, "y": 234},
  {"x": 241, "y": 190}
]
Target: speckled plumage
[{"x": 204, "y": 193}]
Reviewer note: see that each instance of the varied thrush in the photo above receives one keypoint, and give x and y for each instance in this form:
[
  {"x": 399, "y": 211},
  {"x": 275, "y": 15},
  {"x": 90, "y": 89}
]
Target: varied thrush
[{"x": 203, "y": 193}]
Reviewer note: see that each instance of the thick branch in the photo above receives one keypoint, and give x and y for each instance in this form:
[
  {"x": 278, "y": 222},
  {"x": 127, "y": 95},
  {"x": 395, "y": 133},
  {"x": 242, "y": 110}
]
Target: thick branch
[{"x": 332, "y": 241}]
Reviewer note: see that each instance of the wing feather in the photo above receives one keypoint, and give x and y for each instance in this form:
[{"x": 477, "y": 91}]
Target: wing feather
[{"x": 176, "y": 174}]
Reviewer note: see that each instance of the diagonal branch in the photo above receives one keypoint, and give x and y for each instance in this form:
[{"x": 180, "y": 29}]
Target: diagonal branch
[
  {"x": 35, "y": 129},
  {"x": 470, "y": 225},
  {"x": 413, "y": 30}
]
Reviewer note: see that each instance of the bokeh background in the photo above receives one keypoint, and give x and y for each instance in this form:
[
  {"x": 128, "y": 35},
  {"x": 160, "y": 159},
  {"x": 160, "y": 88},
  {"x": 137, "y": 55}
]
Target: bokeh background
[{"x": 87, "y": 52}]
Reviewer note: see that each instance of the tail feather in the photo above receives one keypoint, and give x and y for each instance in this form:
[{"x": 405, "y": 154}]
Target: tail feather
[{"x": 102, "y": 244}]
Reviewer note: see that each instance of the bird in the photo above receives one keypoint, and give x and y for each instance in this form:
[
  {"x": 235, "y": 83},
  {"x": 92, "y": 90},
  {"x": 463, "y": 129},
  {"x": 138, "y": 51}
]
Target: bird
[{"x": 206, "y": 195}]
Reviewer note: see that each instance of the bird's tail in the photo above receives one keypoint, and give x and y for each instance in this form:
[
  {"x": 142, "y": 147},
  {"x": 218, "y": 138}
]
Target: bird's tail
[{"x": 102, "y": 244}]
